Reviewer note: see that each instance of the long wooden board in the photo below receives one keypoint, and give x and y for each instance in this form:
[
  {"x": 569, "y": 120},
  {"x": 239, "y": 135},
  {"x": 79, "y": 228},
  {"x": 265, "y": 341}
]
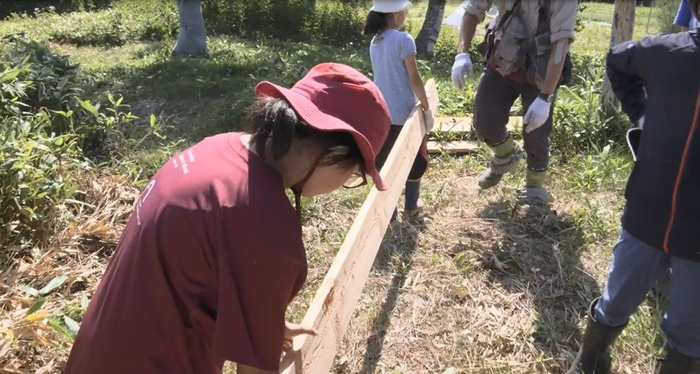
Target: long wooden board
[
  {"x": 335, "y": 302},
  {"x": 464, "y": 124},
  {"x": 454, "y": 147}
]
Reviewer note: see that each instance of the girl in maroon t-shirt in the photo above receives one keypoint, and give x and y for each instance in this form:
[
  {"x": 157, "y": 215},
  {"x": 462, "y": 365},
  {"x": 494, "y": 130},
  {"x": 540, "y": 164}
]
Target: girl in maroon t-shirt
[{"x": 213, "y": 253}]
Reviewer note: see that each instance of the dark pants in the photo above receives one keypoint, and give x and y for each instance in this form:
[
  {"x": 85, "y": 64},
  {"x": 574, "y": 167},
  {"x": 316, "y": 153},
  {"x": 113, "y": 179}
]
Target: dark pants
[
  {"x": 635, "y": 267},
  {"x": 495, "y": 96},
  {"x": 420, "y": 164}
]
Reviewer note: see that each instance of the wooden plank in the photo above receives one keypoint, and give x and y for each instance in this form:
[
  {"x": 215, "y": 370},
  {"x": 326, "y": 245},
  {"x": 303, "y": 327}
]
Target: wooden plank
[
  {"x": 464, "y": 124},
  {"x": 452, "y": 124},
  {"x": 335, "y": 302},
  {"x": 455, "y": 147}
]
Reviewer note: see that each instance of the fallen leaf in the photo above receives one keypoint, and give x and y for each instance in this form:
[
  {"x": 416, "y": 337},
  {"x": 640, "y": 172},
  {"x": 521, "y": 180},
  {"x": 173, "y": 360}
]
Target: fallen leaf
[
  {"x": 459, "y": 291},
  {"x": 72, "y": 325},
  {"x": 37, "y": 316},
  {"x": 29, "y": 290},
  {"x": 53, "y": 284},
  {"x": 36, "y": 306}
]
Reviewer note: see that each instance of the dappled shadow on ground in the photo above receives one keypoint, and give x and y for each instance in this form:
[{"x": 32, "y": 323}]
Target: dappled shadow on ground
[
  {"x": 395, "y": 256},
  {"x": 538, "y": 256}
]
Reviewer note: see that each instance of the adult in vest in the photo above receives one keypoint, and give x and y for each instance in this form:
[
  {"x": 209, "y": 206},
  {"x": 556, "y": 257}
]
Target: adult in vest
[
  {"x": 526, "y": 61},
  {"x": 662, "y": 211},
  {"x": 213, "y": 253}
]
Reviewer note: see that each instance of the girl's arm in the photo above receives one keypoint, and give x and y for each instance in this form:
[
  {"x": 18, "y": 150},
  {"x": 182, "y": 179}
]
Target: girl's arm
[{"x": 416, "y": 81}]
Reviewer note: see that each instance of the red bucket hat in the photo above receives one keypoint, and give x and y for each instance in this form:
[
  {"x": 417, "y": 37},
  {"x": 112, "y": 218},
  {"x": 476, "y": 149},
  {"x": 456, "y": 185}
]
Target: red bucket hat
[{"x": 336, "y": 97}]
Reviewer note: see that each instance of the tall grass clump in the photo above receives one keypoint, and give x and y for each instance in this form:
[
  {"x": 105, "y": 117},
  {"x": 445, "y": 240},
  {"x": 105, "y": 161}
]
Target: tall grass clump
[{"x": 50, "y": 138}]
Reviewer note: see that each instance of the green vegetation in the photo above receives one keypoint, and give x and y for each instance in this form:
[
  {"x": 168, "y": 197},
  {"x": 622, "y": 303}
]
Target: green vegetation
[{"x": 92, "y": 103}]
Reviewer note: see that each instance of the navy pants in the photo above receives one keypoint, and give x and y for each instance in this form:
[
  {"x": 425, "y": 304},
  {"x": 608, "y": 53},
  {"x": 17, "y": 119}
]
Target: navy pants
[{"x": 634, "y": 269}]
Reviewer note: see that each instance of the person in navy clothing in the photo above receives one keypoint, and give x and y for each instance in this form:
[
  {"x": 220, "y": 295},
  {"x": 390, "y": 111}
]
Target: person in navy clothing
[{"x": 657, "y": 81}]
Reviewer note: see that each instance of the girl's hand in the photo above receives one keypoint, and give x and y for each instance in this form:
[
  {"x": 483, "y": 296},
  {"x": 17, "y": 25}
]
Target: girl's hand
[{"x": 291, "y": 330}]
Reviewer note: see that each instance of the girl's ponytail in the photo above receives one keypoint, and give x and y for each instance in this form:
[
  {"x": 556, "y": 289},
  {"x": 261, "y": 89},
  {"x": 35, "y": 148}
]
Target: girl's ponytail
[
  {"x": 273, "y": 116},
  {"x": 375, "y": 23}
]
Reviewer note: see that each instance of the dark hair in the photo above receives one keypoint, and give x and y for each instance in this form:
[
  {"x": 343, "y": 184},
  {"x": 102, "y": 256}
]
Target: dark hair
[
  {"x": 274, "y": 119},
  {"x": 376, "y": 22}
]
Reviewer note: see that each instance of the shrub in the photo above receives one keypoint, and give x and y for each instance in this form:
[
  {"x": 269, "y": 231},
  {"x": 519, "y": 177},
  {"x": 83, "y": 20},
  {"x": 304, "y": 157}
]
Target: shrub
[
  {"x": 336, "y": 23},
  {"x": 284, "y": 19},
  {"x": 665, "y": 11},
  {"x": 581, "y": 122},
  {"x": 29, "y": 7},
  {"x": 331, "y": 22},
  {"x": 50, "y": 136},
  {"x": 35, "y": 166},
  {"x": 52, "y": 79},
  {"x": 36, "y": 177},
  {"x": 50, "y": 83}
]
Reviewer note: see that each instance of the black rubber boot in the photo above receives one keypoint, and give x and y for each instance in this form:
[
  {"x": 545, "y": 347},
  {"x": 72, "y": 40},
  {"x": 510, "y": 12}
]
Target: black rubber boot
[
  {"x": 594, "y": 355},
  {"x": 678, "y": 363}
]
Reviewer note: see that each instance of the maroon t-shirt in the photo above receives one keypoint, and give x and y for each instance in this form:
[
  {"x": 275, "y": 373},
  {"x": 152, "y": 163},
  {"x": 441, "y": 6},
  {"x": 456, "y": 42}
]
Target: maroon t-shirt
[{"x": 204, "y": 271}]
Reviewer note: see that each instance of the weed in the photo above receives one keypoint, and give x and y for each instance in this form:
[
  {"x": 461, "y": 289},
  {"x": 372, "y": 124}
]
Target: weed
[{"x": 487, "y": 286}]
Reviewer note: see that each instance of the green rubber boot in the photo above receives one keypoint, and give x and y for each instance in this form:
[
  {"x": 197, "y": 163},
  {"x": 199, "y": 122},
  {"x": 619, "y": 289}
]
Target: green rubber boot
[
  {"x": 533, "y": 193},
  {"x": 505, "y": 159}
]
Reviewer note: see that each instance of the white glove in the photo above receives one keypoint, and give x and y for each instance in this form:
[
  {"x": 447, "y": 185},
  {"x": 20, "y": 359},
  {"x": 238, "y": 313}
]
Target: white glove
[
  {"x": 536, "y": 115},
  {"x": 461, "y": 68},
  {"x": 429, "y": 120},
  {"x": 640, "y": 122}
]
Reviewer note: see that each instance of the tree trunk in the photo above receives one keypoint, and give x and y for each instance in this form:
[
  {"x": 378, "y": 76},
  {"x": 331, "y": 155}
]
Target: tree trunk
[
  {"x": 192, "y": 38},
  {"x": 428, "y": 35},
  {"x": 622, "y": 31}
]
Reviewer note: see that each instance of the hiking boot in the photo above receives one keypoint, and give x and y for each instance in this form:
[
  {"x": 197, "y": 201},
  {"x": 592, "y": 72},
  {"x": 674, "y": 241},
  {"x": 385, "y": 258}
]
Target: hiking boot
[
  {"x": 534, "y": 196},
  {"x": 678, "y": 363},
  {"x": 417, "y": 216},
  {"x": 498, "y": 167},
  {"x": 594, "y": 355}
]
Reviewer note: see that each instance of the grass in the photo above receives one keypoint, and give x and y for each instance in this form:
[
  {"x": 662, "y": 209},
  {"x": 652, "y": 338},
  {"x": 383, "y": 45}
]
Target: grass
[{"x": 487, "y": 287}]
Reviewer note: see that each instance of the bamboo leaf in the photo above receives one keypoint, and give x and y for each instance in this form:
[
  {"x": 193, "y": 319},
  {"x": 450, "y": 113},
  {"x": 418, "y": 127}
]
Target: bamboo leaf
[
  {"x": 89, "y": 107},
  {"x": 58, "y": 327},
  {"x": 29, "y": 290},
  {"x": 36, "y": 306},
  {"x": 53, "y": 284},
  {"x": 84, "y": 302},
  {"x": 72, "y": 325}
]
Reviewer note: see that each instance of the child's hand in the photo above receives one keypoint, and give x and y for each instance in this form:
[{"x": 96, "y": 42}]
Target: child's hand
[
  {"x": 291, "y": 330},
  {"x": 429, "y": 120}
]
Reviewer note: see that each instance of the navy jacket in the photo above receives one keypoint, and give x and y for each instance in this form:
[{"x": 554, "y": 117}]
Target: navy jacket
[{"x": 663, "y": 191}]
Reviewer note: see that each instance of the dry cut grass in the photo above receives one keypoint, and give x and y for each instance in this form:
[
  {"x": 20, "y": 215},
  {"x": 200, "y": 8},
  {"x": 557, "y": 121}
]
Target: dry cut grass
[
  {"x": 35, "y": 336},
  {"x": 486, "y": 286}
]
